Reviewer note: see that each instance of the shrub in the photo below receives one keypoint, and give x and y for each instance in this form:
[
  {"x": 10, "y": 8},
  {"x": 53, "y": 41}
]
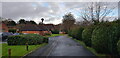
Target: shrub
[
  {"x": 31, "y": 39},
  {"x": 118, "y": 46},
  {"x": 45, "y": 39},
  {"x": 105, "y": 37},
  {"x": 16, "y": 40},
  {"x": 87, "y": 35},
  {"x": 72, "y": 33},
  {"x": 78, "y": 33},
  {"x": 47, "y": 34},
  {"x": 55, "y": 31},
  {"x": 12, "y": 30}
]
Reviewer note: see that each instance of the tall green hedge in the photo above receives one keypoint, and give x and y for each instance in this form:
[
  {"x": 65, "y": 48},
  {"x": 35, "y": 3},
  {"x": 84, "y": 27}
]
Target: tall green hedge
[
  {"x": 71, "y": 33},
  {"x": 31, "y": 39},
  {"x": 87, "y": 35},
  {"x": 76, "y": 33},
  {"x": 55, "y": 31},
  {"x": 12, "y": 30},
  {"x": 105, "y": 37},
  {"x": 118, "y": 46},
  {"x": 79, "y": 33}
]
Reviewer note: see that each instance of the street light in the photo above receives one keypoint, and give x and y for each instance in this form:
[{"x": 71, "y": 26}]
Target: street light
[{"x": 42, "y": 20}]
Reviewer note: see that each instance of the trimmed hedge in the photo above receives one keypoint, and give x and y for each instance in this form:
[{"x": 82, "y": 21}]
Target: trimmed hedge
[
  {"x": 45, "y": 40},
  {"x": 30, "y": 39},
  {"x": 105, "y": 37},
  {"x": 72, "y": 33},
  {"x": 55, "y": 31},
  {"x": 12, "y": 30},
  {"x": 87, "y": 35},
  {"x": 118, "y": 46},
  {"x": 76, "y": 33}
]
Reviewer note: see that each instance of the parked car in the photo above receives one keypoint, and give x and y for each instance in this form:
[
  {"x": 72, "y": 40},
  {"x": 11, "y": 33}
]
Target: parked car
[
  {"x": 5, "y": 35},
  {"x": 16, "y": 34}
]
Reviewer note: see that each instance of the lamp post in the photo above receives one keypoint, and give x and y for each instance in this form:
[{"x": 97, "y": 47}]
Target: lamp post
[{"x": 42, "y": 20}]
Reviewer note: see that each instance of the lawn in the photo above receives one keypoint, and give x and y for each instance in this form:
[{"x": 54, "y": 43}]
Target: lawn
[
  {"x": 0, "y": 49},
  {"x": 19, "y": 50},
  {"x": 53, "y": 35}
]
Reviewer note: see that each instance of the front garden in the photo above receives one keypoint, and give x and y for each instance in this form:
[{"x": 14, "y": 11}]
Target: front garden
[
  {"x": 21, "y": 45},
  {"x": 19, "y": 50}
]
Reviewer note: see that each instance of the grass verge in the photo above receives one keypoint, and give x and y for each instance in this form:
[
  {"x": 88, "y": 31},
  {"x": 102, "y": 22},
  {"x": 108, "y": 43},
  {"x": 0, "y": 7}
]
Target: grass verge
[
  {"x": 0, "y": 50},
  {"x": 89, "y": 48},
  {"x": 19, "y": 50},
  {"x": 53, "y": 35}
]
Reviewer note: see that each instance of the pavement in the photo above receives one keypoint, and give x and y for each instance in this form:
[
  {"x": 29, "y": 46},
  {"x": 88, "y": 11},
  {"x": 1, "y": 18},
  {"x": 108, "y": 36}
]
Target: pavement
[{"x": 61, "y": 46}]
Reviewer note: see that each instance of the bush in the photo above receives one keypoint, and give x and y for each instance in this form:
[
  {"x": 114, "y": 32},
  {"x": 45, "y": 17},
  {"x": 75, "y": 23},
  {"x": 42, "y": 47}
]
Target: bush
[
  {"x": 105, "y": 37},
  {"x": 31, "y": 39},
  {"x": 47, "y": 34},
  {"x": 76, "y": 33},
  {"x": 87, "y": 35},
  {"x": 12, "y": 30},
  {"x": 118, "y": 46},
  {"x": 16, "y": 40},
  {"x": 72, "y": 33},
  {"x": 55, "y": 31},
  {"x": 45, "y": 39}
]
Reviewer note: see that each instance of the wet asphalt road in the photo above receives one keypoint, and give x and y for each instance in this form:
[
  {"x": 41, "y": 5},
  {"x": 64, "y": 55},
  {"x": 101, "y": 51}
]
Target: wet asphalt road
[{"x": 61, "y": 46}]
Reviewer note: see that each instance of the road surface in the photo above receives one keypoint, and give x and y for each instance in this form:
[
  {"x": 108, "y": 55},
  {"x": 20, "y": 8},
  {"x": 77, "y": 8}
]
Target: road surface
[{"x": 61, "y": 46}]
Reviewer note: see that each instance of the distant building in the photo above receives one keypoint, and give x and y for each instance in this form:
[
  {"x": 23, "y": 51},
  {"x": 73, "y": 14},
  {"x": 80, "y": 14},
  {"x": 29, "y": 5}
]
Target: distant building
[
  {"x": 34, "y": 29},
  {"x": 50, "y": 27},
  {"x": 4, "y": 28}
]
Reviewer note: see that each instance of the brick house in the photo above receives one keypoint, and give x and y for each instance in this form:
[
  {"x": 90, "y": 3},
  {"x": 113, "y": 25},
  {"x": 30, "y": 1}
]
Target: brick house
[
  {"x": 4, "y": 28},
  {"x": 34, "y": 29}
]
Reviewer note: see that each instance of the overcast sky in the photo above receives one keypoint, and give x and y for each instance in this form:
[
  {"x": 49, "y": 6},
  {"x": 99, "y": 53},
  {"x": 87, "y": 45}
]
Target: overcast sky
[{"x": 52, "y": 12}]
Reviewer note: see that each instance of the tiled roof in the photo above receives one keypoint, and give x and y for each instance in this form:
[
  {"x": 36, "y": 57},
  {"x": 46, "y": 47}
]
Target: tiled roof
[{"x": 31, "y": 27}]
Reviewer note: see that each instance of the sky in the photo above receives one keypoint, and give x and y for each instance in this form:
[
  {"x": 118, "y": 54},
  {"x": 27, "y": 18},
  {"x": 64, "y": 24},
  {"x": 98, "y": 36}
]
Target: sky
[{"x": 52, "y": 12}]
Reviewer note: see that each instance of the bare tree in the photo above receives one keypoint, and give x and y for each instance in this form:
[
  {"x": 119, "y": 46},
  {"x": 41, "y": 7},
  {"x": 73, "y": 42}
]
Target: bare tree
[
  {"x": 68, "y": 22},
  {"x": 97, "y": 11}
]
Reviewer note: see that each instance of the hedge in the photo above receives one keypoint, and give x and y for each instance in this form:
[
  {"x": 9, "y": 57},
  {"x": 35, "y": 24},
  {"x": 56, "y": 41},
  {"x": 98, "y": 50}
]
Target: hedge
[
  {"x": 72, "y": 33},
  {"x": 87, "y": 35},
  {"x": 55, "y": 31},
  {"x": 118, "y": 46},
  {"x": 76, "y": 33},
  {"x": 30, "y": 39},
  {"x": 79, "y": 33},
  {"x": 12, "y": 30},
  {"x": 105, "y": 37},
  {"x": 45, "y": 40}
]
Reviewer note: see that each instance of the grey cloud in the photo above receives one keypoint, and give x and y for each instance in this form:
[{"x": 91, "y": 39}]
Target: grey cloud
[
  {"x": 35, "y": 10},
  {"x": 21, "y": 9}
]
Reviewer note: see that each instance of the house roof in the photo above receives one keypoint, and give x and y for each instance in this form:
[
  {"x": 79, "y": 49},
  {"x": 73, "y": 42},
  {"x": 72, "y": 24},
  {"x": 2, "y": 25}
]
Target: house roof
[
  {"x": 49, "y": 26},
  {"x": 31, "y": 27}
]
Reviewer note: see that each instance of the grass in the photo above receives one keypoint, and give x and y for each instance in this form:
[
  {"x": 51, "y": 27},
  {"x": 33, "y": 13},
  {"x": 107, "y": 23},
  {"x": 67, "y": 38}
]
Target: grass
[
  {"x": 0, "y": 49},
  {"x": 53, "y": 35},
  {"x": 89, "y": 48},
  {"x": 19, "y": 50}
]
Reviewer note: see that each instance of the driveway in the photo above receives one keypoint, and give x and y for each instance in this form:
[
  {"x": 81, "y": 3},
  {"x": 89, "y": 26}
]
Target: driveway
[{"x": 61, "y": 46}]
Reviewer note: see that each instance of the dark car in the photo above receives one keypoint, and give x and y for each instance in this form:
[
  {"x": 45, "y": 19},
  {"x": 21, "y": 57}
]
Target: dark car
[
  {"x": 16, "y": 34},
  {"x": 5, "y": 35}
]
